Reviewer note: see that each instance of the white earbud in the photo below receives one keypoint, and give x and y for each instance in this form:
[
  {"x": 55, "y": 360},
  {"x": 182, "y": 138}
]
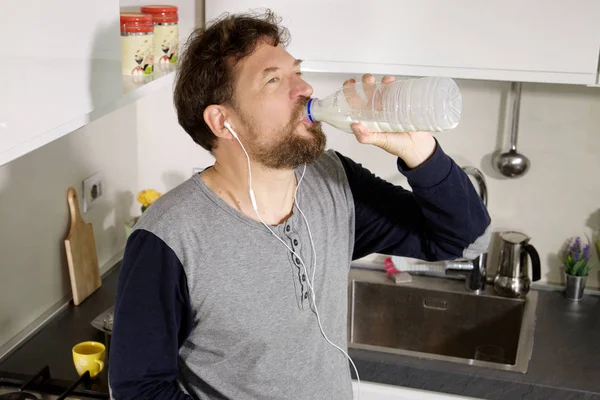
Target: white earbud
[{"x": 227, "y": 125}]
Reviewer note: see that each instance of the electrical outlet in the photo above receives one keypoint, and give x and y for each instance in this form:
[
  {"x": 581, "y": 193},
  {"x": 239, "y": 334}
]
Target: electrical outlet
[{"x": 93, "y": 189}]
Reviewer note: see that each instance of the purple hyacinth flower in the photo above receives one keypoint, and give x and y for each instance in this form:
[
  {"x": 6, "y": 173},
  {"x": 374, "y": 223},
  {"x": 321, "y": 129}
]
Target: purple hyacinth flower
[
  {"x": 574, "y": 246},
  {"x": 586, "y": 252}
]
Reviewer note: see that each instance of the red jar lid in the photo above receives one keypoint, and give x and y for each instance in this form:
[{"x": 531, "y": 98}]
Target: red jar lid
[
  {"x": 161, "y": 13},
  {"x": 132, "y": 22}
]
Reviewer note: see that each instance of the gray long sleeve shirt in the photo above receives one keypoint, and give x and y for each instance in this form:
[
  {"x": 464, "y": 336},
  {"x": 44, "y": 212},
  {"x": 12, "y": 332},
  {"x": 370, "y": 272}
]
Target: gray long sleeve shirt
[{"x": 210, "y": 305}]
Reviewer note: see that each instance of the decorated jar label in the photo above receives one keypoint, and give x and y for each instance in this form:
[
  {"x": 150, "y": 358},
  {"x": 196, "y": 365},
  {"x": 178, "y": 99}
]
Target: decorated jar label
[
  {"x": 136, "y": 54},
  {"x": 166, "y": 43}
]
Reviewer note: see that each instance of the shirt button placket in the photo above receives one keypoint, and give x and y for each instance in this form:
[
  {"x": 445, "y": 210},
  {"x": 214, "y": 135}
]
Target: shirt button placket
[{"x": 296, "y": 246}]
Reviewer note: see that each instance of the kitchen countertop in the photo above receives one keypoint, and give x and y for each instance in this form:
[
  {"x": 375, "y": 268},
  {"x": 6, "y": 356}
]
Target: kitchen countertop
[{"x": 565, "y": 364}]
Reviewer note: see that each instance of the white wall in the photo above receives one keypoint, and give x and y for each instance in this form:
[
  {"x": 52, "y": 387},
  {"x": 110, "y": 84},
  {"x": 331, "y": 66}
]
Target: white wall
[
  {"x": 559, "y": 132},
  {"x": 35, "y": 220},
  {"x": 166, "y": 153}
]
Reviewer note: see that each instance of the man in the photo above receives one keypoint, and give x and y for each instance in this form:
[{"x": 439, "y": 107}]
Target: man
[{"x": 219, "y": 288}]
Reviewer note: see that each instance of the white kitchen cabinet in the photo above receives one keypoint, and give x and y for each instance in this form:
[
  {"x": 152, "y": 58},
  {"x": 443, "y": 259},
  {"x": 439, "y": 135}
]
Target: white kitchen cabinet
[
  {"x": 60, "y": 68},
  {"x": 510, "y": 40}
]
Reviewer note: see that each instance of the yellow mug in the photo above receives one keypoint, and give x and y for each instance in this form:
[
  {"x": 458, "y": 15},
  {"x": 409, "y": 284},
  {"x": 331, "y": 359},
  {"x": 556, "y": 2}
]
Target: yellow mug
[{"x": 89, "y": 356}]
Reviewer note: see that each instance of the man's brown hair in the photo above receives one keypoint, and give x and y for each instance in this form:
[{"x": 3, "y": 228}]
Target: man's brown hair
[{"x": 206, "y": 70}]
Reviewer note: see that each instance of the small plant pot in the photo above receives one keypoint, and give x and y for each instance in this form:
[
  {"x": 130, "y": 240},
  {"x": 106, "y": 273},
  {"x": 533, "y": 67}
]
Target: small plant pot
[{"x": 575, "y": 287}]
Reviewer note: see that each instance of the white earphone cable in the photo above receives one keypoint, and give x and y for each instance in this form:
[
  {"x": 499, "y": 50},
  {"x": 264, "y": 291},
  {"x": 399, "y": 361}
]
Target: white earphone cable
[
  {"x": 314, "y": 298},
  {"x": 252, "y": 197},
  {"x": 308, "y": 280},
  {"x": 297, "y": 203}
]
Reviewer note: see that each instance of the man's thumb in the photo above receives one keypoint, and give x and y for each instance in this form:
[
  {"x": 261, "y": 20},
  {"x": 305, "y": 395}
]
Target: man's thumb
[{"x": 362, "y": 133}]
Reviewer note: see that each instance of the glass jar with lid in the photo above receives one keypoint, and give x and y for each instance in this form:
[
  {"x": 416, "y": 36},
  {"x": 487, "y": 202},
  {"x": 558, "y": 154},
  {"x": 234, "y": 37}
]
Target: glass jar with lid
[
  {"x": 166, "y": 32},
  {"x": 137, "y": 34}
]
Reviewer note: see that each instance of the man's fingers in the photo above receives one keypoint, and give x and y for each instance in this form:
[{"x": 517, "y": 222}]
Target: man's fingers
[
  {"x": 368, "y": 82},
  {"x": 350, "y": 94},
  {"x": 368, "y": 79},
  {"x": 356, "y": 100}
]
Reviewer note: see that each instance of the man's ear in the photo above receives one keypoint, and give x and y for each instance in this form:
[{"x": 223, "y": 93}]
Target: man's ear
[{"x": 215, "y": 117}]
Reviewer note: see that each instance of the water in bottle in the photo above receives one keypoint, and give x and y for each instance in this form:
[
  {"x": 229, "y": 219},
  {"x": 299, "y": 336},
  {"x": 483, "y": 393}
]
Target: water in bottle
[{"x": 432, "y": 104}]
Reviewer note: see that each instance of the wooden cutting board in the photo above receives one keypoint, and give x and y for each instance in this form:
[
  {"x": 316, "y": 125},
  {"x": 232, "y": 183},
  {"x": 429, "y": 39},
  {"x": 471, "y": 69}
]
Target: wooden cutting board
[{"x": 81, "y": 253}]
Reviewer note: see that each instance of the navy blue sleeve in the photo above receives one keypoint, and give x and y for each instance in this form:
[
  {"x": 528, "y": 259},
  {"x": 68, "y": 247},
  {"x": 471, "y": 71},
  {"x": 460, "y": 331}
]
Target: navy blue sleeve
[
  {"x": 152, "y": 319},
  {"x": 441, "y": 218}
]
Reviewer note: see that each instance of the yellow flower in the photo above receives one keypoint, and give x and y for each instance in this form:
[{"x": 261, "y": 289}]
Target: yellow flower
[{"x": 147, "y": 197}]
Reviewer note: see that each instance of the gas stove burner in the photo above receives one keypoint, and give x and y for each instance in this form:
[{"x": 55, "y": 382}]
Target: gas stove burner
[
  {"x": 18, "y": 396},
  {"x": 41, "y": 386}
]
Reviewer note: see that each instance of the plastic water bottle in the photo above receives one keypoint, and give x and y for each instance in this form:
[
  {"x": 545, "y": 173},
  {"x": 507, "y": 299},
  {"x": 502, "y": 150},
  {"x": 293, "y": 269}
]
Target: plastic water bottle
[{"x": 432, "y": 104}]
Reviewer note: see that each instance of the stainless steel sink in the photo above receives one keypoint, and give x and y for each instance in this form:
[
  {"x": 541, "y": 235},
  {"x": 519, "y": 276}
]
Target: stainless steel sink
[{"x": 439, "y": 319}]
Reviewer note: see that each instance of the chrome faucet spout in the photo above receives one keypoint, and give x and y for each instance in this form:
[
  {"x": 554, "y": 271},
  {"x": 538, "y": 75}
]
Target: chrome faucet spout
[{"x": 477, "y": 277}]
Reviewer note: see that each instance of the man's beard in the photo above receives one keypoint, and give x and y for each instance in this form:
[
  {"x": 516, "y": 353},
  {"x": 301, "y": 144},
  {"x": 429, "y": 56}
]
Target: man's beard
[{"x": 290, "y": 150}]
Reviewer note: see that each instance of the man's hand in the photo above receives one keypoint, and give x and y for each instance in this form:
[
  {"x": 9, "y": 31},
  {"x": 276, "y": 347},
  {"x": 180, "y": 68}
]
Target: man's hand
[{"x": 412, "y": 147}]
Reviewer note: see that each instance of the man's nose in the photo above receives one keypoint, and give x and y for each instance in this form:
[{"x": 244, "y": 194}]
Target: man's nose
[{"x": 301, "y": 89}]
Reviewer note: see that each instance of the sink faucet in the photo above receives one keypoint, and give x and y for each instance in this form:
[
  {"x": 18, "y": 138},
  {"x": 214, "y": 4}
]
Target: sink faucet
[{"x": 476, "y": 278}]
